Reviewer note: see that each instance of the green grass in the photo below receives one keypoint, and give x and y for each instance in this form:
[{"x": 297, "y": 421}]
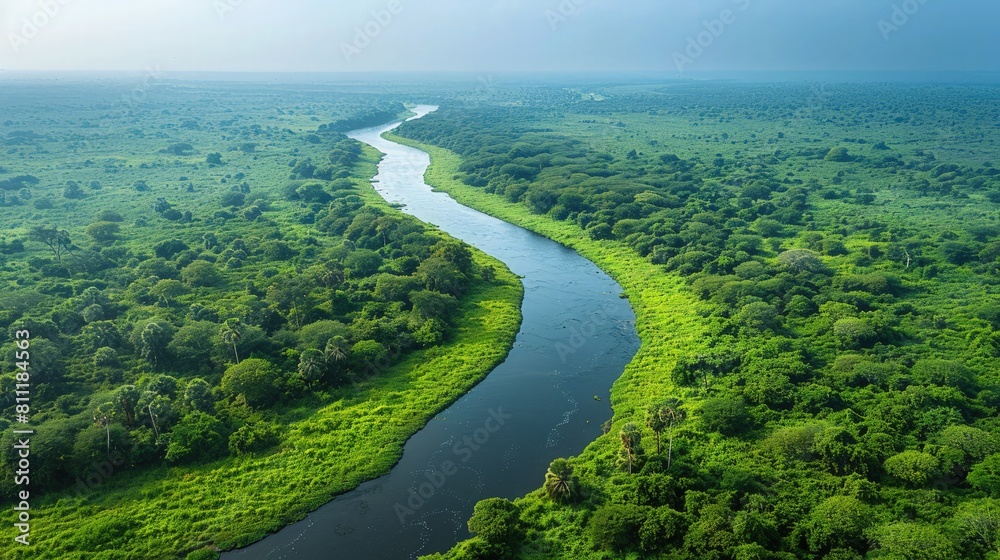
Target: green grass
[
  {"x": 167, "y": 512},
  {"x": 667, "y": 321}
]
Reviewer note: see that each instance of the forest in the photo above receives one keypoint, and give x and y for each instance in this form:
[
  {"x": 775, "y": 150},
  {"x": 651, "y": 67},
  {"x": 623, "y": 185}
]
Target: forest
[
  {"x": 831, "y": 390},
  {"x": 229, "y": 327},
  {"x": 212, "y": 296}
]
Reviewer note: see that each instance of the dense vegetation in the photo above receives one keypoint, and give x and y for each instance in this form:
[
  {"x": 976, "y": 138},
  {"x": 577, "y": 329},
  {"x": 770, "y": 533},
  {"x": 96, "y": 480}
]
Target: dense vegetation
[
  {"x": 832, "y": 391},
  {"x": 213, "y": 297}
]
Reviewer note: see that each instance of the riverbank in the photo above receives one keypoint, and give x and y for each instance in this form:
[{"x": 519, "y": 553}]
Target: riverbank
[
  {"x": 350, "y": 437},
  {"x": 667, "y": 320},
  {"x": 542, "y": 394}
]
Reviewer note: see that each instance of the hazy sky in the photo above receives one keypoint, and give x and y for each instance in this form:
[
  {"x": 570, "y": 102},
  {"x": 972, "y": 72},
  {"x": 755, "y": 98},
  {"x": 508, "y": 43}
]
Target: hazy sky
[{"x": 499, "y": 35}]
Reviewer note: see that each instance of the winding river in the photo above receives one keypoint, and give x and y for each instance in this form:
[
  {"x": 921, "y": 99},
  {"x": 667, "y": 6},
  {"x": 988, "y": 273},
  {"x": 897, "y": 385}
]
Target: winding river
[{"x": 548, "y": 399}]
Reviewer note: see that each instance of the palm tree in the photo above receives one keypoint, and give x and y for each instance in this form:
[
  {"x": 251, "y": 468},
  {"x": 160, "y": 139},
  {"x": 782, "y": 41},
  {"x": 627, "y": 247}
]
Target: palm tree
[
  {"x": 335, "y": 351},
  {"x": 671, "y": 409},
  {"x": 631, "y": 450},
  {"x": 560, "y": 484},
  {"x": 311, "y": 366},
  {"x": 153, "y": 341},
  {"x": 102, "y": 417},
  {"x": 232, "y": 332},
  {"x": 656, "y": 420}
]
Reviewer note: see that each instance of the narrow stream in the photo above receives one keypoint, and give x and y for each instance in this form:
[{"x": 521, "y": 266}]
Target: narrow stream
[{"x": 548, "y": 399}]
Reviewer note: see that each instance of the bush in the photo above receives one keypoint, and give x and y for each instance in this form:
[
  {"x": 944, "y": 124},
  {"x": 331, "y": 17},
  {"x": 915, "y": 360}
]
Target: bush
[
  {"x": 257, "y": 380},
  {"x": 253, "y": 437}
]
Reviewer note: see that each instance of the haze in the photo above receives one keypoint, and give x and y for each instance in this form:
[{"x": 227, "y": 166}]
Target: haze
[{"x": 504, "y": 35}]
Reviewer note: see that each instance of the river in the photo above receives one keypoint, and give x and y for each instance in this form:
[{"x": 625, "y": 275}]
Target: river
[{"x": 548, "y": 399}]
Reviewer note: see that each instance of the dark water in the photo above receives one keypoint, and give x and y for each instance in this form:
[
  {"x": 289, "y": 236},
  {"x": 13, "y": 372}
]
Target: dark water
[{"x": 498, "y": 439}]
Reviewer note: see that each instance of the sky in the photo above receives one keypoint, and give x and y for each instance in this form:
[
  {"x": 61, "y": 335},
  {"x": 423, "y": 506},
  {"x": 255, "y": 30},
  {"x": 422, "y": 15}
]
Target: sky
[{"x": 673, "y": 36}]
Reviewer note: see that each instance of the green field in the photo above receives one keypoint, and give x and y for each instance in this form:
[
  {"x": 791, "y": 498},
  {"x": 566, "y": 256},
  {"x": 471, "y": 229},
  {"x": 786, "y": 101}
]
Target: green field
[
  {"x": 814, "y": 276},
  {"x": 228, "y": 326}
]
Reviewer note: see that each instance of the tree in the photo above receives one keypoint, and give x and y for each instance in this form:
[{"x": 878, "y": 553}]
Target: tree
[
  {"x": 979, "y": 520},
  {"x": 671, "y": 411},
  {"x": 631, "y": 451},
  {"x": 57, "y": 240},
  {"x": 362, "y": 263},
  {"x": 802, "y": 260},
  {"x": 429, "y": 304},
  {"x": 985, "y": 476},
  {"x": 232, "y": 198},
  {"x": 756, "y": 317},
  {"x": 214, "y": 158},
  {"x": 198, "y": 395},
  {"x": 193, "y": 344},
  {"x": 92, "y": 313},
  {"x": 313, "y": 192},
  {"x": 913, "y": 468},
  {"x": 103, "y": 415},
  {"x": 498, "y": 522},
  {"x": 167, "y": 249},
  {"x": 616, "y": 527},
  {"x": 154, "y": 405},
  {"x": 854, "y": 332},
  {"x": 656, "y": 420},
  {"x": 255, "y": 379},
  {"x": 291, "y": 295},
  {"x": 560, "y": 483},
  {"x": 728, "y": 416},
  {"x": 73, "y": 191},
  {"x": 335, "y": 350},
  {"x": 125, "y": 399},
  {"x": 99, "y": 334},
  {"x": 201, "y": 273},
  {"x": 312, "y": 366},
  {"x": 231, "y": 332},
  {"x": 103, "y": 232},
  {"x": 197, "y": 436},
  {"x": 153, "y": 340},
  {"x": 957, "y": 252},
  {"x": 440, "y": 275},
  {"x": 837, "y": 522},
  {"x": 368, "y": 354},
  {"x": 914, "y": 541},
  {"x": 180, "y": 149}
]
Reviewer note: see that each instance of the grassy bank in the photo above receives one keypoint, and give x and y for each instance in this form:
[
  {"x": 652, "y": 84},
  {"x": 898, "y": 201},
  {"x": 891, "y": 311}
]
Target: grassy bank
[
  {"x": 330, "y": 444},
  {"x": 667, "y": 320}
]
